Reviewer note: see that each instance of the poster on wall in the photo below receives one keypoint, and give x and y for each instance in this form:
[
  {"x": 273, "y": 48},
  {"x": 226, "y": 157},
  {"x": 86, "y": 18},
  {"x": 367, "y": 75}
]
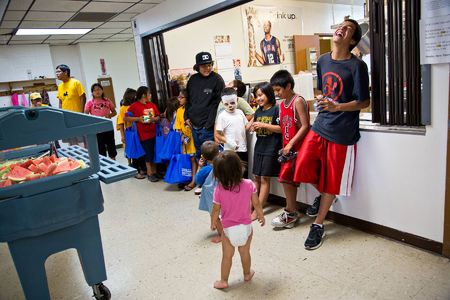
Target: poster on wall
[
  {"x": 268, "y": 33},
  {"x": 224, "y": 57}
]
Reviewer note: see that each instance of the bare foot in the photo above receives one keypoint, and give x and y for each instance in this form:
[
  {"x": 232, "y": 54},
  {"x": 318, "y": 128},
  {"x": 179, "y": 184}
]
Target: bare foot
[
  {"x": 220, "y": 284},
  {"x": 248, "y": 277},
  {"x": 217, "y": 239},
  {"x": 254, "y": 215}
]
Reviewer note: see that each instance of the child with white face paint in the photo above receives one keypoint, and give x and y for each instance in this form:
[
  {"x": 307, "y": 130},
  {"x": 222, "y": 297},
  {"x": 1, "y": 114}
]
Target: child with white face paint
[{"x": 230, "y": 125}]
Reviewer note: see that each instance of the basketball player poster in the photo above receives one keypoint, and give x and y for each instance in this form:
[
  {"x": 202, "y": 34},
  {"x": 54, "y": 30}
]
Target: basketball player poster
[{"x": 269, "y": 34}]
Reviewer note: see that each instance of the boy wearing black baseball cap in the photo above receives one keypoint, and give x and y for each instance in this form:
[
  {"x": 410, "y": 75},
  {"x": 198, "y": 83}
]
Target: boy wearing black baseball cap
[{"x": 203, "y": 91}]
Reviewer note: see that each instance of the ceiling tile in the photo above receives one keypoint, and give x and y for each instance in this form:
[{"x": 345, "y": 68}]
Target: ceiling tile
[
  {"x": 40, "y": 24},
  {"x": 19, "y": 4},
  {"x": 6, "y": 31},
  {"x": 65, "y": 37},
  {"x": 152, "y": 1},
  {"x": 128, "y": 1},
  {"x": 25, "y": 42},
  {"x": 29, "y": 37},
  {"x": 123, "y": 35},
  {"x": 89, "y": 41},
  {"x": 119, "y": 25},
  {"x": 106, "y": 7},
  {"x": 58, "y": 42},
  {"x": 140, "y": 8},
  {"x": 105, "y": 31},
  {"x": 48, "y": 16},
  {"x": 129, "y": 30},
  {"x": 124, "y": 17},
  {"x": 82, "y": 24},
  {"x": 14, "y": 15},
  {"x": 58, "y": 5},
  {"x": 95, "y": 36},
  {"x": 9, "y": 24},
  {"x": 4, "y": 39}
]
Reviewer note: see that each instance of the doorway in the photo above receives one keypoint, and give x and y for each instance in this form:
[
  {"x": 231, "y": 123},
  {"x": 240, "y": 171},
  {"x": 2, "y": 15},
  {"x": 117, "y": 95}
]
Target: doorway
[{"x": 157, "y": 68}]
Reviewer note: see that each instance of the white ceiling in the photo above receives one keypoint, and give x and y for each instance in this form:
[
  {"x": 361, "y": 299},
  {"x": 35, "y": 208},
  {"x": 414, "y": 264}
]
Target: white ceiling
[{"x": 59, "y": 13}]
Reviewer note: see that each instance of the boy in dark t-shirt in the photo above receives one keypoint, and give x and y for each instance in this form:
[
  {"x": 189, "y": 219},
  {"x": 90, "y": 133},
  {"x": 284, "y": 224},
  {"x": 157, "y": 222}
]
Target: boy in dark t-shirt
[{"x": 328, "y": 152}]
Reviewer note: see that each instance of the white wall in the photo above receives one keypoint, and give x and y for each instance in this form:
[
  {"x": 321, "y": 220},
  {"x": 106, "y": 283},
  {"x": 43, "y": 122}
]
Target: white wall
[
  {"x": 120, "y": 63},
  {"x": 16, "y": 61},
  {"x": 184, "y": 42},
  {"x": 70, "y": 56}
]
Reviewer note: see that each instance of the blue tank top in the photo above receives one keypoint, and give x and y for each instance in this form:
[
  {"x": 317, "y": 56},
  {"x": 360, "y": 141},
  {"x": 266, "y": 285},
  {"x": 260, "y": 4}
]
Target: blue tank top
[{"x": 270, "y": 51}]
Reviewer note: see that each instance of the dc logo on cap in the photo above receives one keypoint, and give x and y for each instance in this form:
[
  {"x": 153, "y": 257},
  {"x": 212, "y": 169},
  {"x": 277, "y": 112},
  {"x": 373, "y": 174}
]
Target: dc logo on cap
[{"x": 205, "y": 56}]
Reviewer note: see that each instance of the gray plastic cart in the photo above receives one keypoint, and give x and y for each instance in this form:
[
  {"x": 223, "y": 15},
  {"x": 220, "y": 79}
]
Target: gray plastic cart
[{"x": 45, "y": 216}]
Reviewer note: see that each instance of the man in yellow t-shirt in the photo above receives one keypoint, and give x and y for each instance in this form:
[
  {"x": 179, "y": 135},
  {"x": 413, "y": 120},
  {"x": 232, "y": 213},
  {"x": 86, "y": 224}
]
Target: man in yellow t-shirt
[
  {"x": 71, "y": 93},
  {"x": 71, "y": 97}
]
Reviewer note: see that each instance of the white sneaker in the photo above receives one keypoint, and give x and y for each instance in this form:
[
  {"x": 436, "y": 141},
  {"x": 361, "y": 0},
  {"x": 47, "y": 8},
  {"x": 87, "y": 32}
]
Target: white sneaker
[
  {"x": 198, "y": 191},
  {"x": 285, "y": 219}
]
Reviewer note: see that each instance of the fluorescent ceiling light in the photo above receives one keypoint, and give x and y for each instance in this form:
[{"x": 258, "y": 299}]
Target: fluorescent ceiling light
[{"x": 51, "y": 31}]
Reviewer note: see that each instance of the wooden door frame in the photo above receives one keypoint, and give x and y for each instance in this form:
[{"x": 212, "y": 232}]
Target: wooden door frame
[{"x": 446, "y": 241}]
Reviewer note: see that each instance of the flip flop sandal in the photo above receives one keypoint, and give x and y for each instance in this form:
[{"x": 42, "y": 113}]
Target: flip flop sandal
[
  {"x": 139, "y": 176},
  {"x": 188, "y": 188}
]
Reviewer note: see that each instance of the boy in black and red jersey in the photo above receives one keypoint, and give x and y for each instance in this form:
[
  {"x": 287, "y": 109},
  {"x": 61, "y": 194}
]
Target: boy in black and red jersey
[
  {"x": 327, "y": 156},
  {"x": 294, "y": 123}
]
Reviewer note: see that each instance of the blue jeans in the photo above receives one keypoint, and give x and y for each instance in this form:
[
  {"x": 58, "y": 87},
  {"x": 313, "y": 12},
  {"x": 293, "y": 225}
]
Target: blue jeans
[{"x": 200, "y": 136}]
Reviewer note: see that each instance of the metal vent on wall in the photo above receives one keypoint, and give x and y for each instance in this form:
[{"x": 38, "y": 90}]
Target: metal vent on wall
[{"x": 93, "y": 17}]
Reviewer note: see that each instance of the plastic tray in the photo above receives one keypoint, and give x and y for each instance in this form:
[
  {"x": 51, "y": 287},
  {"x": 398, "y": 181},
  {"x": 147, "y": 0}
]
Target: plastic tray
[{"x": 110, "y": 170}]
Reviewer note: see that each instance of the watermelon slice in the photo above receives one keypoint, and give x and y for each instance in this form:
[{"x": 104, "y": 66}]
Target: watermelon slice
[
  {"x": 18, "y": 173},
  {"x": 37, "y": 161},
  {"x": 33, "y": 168},
  {"x": 43, "y": 167},
  {"x": 33, "y": 177},
  {"x": 5, "y": 183},
  {"x": 63, "y": 166},
  {"x": 53, "y": 158},
  {"x": 27, "y": 163},
  {"x": 51, "y": 169},
  {"x": 46, "y": 160}
]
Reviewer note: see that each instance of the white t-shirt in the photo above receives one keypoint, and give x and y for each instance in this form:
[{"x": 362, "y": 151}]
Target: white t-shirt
[{"x": 233, "y": 127}]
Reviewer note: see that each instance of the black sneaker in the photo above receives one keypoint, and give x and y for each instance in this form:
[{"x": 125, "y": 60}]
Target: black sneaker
[
  {"x": 315, "y": 237},
  {"x": 313, "y": 210},
  {"x": 152, "y": 178}
]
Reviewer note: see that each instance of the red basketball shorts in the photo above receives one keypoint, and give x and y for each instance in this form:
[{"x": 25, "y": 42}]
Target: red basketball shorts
[
  {"x": 328, "y": 165},
  {"x": 287, "y": 171}
]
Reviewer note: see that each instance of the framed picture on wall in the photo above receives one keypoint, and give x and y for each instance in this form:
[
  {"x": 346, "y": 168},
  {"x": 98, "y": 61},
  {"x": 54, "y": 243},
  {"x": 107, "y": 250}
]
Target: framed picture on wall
[{"x": 268, "y": 32}]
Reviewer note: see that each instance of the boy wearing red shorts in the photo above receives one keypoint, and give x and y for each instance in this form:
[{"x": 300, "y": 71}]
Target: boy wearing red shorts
[
  {"x": 327, "y": 156},
  {"x": 294, "y": 123}
]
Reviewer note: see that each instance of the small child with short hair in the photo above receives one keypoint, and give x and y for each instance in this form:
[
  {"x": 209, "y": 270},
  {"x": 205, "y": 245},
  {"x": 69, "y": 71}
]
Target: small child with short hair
[
  {"x": 230, "y": 126},
  {"x": 233, "y": 198},
  {"x": 209, "y": 151},
  {"x": 294, "y": 122}
]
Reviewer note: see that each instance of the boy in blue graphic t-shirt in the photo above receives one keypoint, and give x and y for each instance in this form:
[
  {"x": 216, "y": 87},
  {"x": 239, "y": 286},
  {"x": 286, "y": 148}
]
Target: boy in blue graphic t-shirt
[{"x": 328, "y": 152}]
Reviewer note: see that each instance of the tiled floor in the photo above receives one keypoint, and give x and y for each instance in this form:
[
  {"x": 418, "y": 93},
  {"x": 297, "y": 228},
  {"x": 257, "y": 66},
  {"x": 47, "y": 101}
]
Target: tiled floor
[{"x": 156, "y": 245}]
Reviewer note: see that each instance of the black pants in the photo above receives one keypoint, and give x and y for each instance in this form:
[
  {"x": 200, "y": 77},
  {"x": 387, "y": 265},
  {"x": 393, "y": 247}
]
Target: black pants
[
  {"x": 106, "y": 142},
  {"x": 139, "y": 164}
]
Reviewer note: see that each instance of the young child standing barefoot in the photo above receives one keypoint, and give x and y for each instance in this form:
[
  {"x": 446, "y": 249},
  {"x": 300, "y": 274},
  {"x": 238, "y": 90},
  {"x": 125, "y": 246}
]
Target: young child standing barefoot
[{"x": 233, "y": 198}]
